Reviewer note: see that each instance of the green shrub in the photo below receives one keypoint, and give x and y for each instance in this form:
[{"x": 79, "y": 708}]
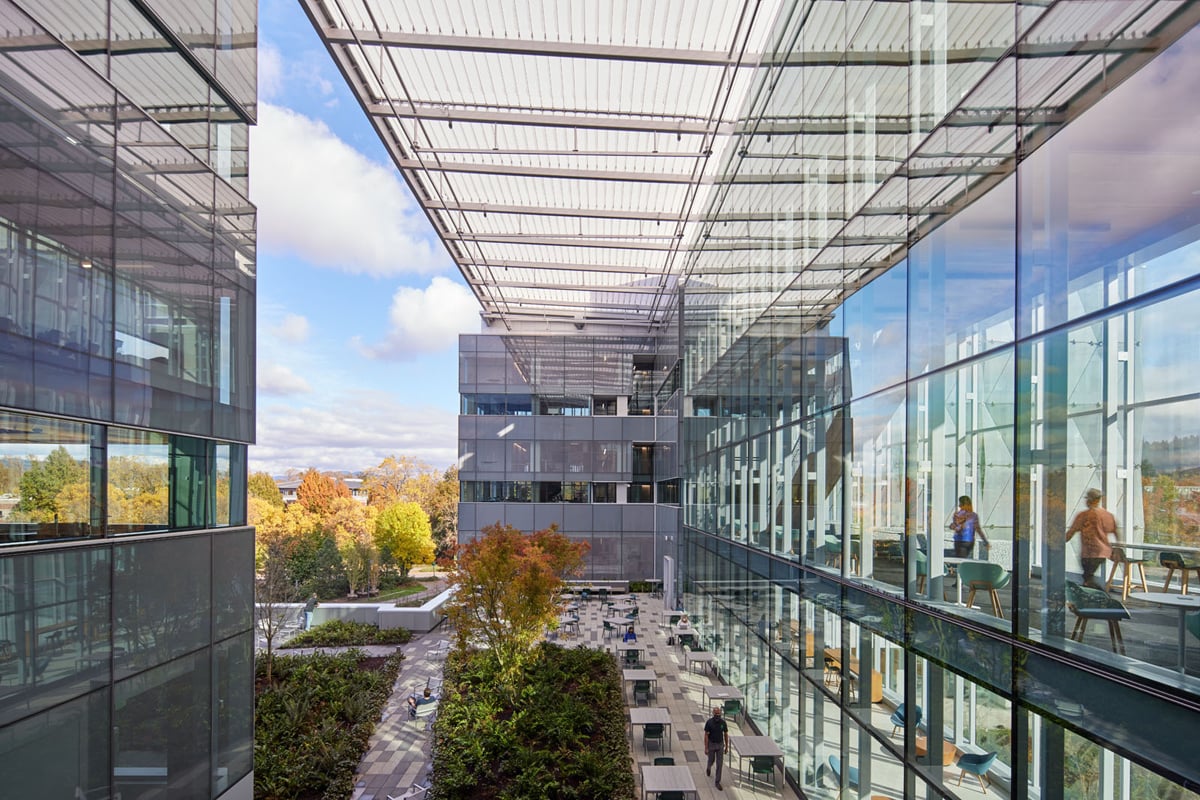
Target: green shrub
[
  {"x": 641, "y": 587},
  {"x": 312, "y": 725},
  {"x": 339, "y": 633},
  {"x": 564, "y": 737}
]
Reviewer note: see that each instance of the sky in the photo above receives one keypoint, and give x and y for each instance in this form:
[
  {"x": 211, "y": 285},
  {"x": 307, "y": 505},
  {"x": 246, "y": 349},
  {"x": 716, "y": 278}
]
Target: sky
[{"x": 359, "y": 305}]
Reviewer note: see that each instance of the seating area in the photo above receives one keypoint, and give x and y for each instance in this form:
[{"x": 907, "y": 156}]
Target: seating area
[{"x": 1087, "y": 604}]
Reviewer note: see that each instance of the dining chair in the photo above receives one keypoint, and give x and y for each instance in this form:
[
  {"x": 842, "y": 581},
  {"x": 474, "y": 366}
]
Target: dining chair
[
  {"x": 653, "y": 732},
  {"x": 1120, "y": 558},
  {"x": 922, "y": 562},
  {"x": 762, "y": 765},
  {"x": 980, "y": 575},
  {"x": 732, "y": 708},
  {"x": 664, "y": 761},
  {"x": 976, "y": 764},
  {"x": 835, "y": 764},
  {"x": 641, "y": 691},
  {"x": 833, "y": 672},
  {"x": 1185, "y": 565},
  {"x": 1087, "y": 604}
]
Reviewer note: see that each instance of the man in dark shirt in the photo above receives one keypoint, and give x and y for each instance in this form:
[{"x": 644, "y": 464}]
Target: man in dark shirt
[{"x": 716, "y": 741}]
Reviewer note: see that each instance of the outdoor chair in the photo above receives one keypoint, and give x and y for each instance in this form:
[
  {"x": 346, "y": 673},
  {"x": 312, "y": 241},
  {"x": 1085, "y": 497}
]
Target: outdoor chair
[
  {"x": 653, "y": 732},
  {"x": 835, "y": 764},
  {"x": 585, "y": 595},
  {"x": 1185, "y": 565},
  {"x": 664, "y": 761},
  {"x": 976, "y": 764},
  {"x": 1121, "y": 559},
  {"x": 1088, "y": 604},
  {"x": 602, "y": 593},
  {"x": 732, "y": 708},
  {"x": 641, "y": 691},
  {"x": 673, "y": 795},
  {"x": 631, "y": 659},
  {"x": 987, "y": 577},
  {"x": 762, "y": 765},
  {"x": 609, "y": 629},
  {"x": 900, "y": 717}
]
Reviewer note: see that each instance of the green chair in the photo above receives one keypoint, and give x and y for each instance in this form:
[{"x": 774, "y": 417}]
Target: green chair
[
  {"x": 1185, "y": 565},
  {"x": 732, "y": 708},
  {"x": 1192, "y": 623},
  {"x": 1087, "y": 604},
  {"x": 922, "y": 562},
  {"x": 609, "y": 629},
  {"x": 664, "y": 761},
  {"x": 980, "y": 575},
  {"x": 653, "y": 732},
  {"x": 641, "y": 691},
  {"x": 1121, "y": 559},
  {"x": 762, "y": 765}
]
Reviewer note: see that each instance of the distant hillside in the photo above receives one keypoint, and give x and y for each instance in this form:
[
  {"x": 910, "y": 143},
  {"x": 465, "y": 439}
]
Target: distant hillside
[{"x": 1179, "y": 457}]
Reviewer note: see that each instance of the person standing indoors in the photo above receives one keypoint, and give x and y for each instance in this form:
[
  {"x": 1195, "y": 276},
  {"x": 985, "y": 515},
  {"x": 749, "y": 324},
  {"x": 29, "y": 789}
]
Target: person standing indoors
[
  {"x": 965, "y": 524},
  {"x": 716, "y": 741},
  {"x": 1095, "y": 524}
]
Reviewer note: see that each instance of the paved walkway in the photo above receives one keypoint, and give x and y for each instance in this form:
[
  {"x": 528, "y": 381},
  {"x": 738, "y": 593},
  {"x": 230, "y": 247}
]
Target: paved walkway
[{"x": 398, "y": 763}]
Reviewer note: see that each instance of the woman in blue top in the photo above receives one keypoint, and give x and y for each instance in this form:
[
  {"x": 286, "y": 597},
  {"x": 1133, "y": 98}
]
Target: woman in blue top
[
  {"x": 965, "y": 524},
  {"x": 630, "y": 635}
]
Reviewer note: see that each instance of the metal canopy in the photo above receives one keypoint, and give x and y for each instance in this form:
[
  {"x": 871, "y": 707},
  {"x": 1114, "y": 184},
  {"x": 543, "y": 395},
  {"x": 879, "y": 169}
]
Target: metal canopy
[{"x": 582, "y": 162}]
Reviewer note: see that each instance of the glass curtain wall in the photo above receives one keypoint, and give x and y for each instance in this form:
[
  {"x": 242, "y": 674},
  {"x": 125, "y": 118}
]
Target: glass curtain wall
[{"x": 1023, "y": 337}]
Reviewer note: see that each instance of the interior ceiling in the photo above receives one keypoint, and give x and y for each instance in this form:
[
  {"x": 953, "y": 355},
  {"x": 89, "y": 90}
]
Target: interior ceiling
[{"x": 583, "y": 162}]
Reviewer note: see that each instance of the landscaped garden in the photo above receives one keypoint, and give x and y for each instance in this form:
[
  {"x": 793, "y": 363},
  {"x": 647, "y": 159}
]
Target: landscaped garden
[
  {"x": 561, "y": 735},
  {"x": 339, "y": 633},
  {"x": 313, "y": 719}
]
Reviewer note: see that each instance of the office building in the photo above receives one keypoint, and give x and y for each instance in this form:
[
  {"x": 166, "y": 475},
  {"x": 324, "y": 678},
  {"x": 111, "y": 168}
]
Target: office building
[
  {"x": 890, "y": 254},
  {"x": 127, "y": 264}
]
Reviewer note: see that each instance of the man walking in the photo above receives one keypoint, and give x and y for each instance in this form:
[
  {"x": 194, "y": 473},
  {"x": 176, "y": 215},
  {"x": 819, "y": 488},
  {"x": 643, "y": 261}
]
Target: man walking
[
  {"x": 309, "y": 608},
  {"x": 716, "y": 741}
]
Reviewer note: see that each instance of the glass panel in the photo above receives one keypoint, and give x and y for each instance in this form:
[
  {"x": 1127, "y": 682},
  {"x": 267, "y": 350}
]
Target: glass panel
[
  {"x": 233, "y": 711},
  {"x": 161, "y": 608},
  {"x": 59, "y": 753},
  {"x": 46, "y": 475},
  {"x": 138, "y": 489}
]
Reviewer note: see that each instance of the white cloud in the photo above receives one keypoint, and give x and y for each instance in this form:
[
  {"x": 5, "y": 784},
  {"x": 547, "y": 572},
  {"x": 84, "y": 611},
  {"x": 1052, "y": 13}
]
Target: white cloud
[
  {"x": 333, "y": 436},
  {"x": 270, "y": 71},
  {"x": 321, "y": 200},
  {"x": 276, "y": 379},
  {"x": 426, "y": 320},
  {"x": 293, "y": 329}
]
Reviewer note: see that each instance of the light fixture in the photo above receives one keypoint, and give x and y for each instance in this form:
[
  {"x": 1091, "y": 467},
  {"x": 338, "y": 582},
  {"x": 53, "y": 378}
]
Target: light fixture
[{"x": 86, "y": 263}]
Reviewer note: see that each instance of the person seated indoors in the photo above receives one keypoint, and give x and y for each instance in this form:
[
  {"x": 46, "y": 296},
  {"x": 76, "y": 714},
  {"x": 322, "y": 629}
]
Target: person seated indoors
[
  {"x": 630, "y": 635},
  {"x": 415, "y": 702}
]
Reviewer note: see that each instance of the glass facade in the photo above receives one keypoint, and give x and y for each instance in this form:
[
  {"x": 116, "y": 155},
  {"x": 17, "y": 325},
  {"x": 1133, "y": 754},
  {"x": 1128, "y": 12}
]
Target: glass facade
[
  {"x": 1032, "y": 338},
  {"x": 127, "y": 294},
  {"x": 550, "y": 434}
]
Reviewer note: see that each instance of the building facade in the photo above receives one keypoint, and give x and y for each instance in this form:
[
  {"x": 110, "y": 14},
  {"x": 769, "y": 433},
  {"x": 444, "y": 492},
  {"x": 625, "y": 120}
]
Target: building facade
[
  {"x": 573, "y": 431},
  {"x": 127, "y": 312},
  {"x": 890, "y": 254}
]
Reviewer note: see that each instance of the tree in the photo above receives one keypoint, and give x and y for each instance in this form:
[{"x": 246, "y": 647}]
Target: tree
[
  {"x": 273, "y": 544},
  {"x": 41, "y": 483},
  {"x": 263, "y": 486},
  {"x": 353, "y": 525},
  {"x": 507, "y": 592},
  {"x": 403, "y": 536},
  {"x": 443, "y": 511},
  {"x": 317, "y": 492},
  {"x": 389, "y": 482}
]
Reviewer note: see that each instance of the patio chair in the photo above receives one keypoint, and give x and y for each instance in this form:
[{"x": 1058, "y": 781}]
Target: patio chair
[
  {"x": 900, "y": 717},
  {"x": 976, "y": 764},
  {"x": 672, "y": 795},
  {"x": 1087, "y": 604},
  {"x": 1121, "y": 559},
  {"x": 1185, "y": 565},
  {"x": 732, "y": 708},
  {"x": 762, "y": 765},
  {"x": 988, "y": 577},
  {"x": 631, "y": 659},
  {"x": 641, "y": 691},
  {"x": 664, "y": 761},
  {"x": 653, "y": 732},
  {"x": 609, "y": 629}
]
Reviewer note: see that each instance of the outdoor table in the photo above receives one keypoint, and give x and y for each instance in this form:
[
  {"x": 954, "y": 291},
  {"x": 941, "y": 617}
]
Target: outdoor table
[
  {"x": 651, "y": 715},
  {"x": 621, "y": 608},
  {"x": 1183, "y": 603},
  {"x": 722, "y": 692},
  {"x": 702, "y": 657},
  {"x": 656, "y": 780},
  {"x": 631, "y": 675},
  {"x": 750, "y": 746}
]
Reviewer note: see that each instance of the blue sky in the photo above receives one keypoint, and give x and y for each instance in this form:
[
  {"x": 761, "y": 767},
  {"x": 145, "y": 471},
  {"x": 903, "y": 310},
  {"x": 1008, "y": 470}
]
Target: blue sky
[{"x": 359, "y": 305}]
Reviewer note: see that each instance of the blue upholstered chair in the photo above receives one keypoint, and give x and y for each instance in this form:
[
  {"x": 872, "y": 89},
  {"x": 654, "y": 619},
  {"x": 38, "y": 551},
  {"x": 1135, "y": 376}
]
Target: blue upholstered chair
[
  {"x": 976, "y": 764},
  {"x": 899, "y": 717},
  {"x": 835, "y": 764},
  {"x": 980, "y": 575},
  {"x": 1087, "y": 604}
]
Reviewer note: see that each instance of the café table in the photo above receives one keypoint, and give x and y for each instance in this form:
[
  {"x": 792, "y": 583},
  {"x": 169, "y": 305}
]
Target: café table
[
  {"x": 632, "y": 675},
  {"x": 651, "y": 715},
  {"x": 656, "y": 780},
  {"x": 750, "y": 746},
  {"x": 722, "y": 692},
  {"x": 1183, "y": 603},
  {"x": 702, "y": 657}
]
